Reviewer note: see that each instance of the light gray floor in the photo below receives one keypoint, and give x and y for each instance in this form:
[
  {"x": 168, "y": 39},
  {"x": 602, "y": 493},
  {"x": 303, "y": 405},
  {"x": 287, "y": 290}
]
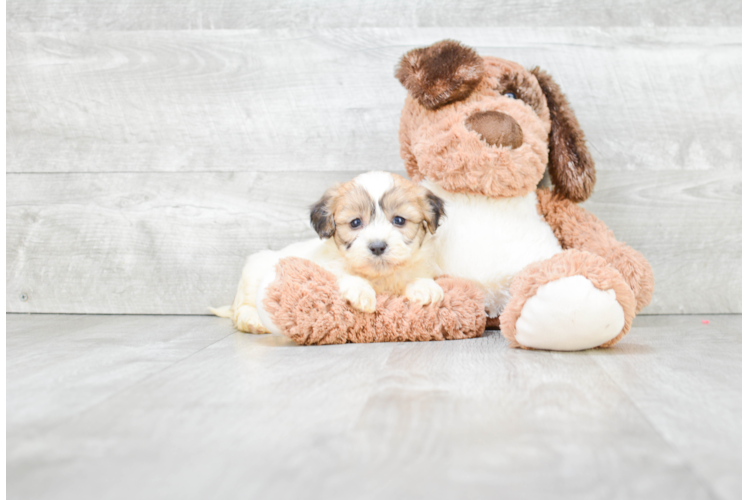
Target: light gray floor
[{"x": 138, "y": 407}]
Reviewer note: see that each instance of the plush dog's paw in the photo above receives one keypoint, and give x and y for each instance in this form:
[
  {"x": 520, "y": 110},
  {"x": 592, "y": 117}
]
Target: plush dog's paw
[
  {"x": 424, "y": 292},
  {"x": 247, "y": 320},
  {"x": 358, "y": 293}
]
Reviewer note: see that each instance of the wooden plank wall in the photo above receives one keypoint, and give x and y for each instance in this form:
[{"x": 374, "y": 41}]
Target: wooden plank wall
[{"x": 152, "y": 145}]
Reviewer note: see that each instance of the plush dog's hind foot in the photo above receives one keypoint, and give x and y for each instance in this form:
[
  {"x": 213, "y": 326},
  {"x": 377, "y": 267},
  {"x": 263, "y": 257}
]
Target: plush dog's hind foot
[
  {"x": 571, "y": 302},
  {"x": 569, "y": 314},
  {"x": 247, "y": 320}
]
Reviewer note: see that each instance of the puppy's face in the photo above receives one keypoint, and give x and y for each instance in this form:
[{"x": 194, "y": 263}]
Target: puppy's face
[{"x": 378, "y": 221}]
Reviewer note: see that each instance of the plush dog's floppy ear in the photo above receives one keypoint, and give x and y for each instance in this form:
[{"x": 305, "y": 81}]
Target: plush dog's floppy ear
[
  {"x": 441, "y": 73},
  {"x": 433, "y": 209},
  {"x": 570, "y": 164},
  {"x": 321, "y": 216}
]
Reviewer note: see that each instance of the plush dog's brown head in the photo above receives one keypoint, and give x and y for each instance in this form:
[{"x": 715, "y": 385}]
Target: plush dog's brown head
[{"x": 486, "y": 125}]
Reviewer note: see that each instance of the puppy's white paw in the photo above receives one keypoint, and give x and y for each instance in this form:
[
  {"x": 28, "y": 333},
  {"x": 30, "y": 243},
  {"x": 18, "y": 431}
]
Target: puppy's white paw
[
  {"x": 424, "y": 291},
  {"x": 247, "y": 320},
  {"x": 359, "y": 293}
]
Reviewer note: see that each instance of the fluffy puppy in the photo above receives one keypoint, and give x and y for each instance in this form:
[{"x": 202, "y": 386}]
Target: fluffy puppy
[{"x": 375, "y": 236}]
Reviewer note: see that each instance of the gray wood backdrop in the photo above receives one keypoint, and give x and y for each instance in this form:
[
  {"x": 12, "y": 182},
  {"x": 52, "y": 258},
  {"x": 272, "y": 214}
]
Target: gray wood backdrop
[{"x": 152, "y": 145}]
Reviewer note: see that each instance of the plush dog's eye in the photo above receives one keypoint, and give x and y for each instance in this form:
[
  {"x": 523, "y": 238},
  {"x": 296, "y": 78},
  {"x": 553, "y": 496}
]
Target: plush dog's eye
[
  {"x": 356, "y": 223},
  {"x": 398, "y": 221},
  {"x": 510, "y": 95}
]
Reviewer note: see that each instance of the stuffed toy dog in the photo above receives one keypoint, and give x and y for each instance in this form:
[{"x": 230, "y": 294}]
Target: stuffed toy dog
[{"x": 480, "y": 132}]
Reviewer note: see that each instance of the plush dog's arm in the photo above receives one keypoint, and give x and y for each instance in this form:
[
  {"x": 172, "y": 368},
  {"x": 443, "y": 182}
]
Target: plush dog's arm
[
  {"x": 576, "y": 228},
  {"x": 305, "y": 304}
]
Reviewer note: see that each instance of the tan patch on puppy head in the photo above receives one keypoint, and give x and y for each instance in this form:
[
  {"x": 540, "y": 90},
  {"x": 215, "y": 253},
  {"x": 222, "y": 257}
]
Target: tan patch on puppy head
[
  {"x": 420, "y": 208},
  {"x": 338, "y": 207},
  {"x": 352, "y": 203}
]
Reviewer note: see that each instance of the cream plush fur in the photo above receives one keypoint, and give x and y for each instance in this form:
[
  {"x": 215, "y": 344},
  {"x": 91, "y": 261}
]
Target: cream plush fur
[
  {"x": 549, "y": 318},
  {"x": 518, "y": 236}
]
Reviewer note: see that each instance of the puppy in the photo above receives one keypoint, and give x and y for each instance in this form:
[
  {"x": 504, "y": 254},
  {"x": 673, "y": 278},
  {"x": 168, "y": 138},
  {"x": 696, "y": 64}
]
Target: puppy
[{"x": 375, "y": 236}]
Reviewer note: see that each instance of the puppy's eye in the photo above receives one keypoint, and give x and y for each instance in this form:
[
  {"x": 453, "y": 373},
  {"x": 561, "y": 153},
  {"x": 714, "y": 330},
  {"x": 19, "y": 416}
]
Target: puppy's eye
[
  {"x": 356, "y": 223},
  {"x": 510, "y": 95},
  {"x": 398, "y": 221}
]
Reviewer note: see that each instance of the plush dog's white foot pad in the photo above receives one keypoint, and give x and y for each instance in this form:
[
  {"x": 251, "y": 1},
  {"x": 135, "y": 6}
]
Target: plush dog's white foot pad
[{"x": 569, "y": 314}]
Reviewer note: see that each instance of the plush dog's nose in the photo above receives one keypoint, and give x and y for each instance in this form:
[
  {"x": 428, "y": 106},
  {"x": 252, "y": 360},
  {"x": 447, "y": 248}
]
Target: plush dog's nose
[
  {"x": 377, "y": 247},
  {"x": 497, "y": 129}
]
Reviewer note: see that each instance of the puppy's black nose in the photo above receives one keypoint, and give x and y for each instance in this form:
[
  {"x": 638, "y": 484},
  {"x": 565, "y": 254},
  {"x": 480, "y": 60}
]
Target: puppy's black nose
[{"x": 377, "y": 247}]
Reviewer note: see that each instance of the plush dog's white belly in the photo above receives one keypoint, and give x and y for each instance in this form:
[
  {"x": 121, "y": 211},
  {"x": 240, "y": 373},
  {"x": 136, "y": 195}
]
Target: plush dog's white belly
[{"x": 490, "y": 240}]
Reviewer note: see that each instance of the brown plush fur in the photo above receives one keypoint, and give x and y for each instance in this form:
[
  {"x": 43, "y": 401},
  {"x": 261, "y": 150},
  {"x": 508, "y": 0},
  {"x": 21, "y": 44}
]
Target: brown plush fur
[
  {"x": 442, "y": 73},
  {"x": 569, "y": 163},
  {"x": 568, "y": 263},
  {"x": 306, "y": 305},
  {"x": 576, "y": 228}
]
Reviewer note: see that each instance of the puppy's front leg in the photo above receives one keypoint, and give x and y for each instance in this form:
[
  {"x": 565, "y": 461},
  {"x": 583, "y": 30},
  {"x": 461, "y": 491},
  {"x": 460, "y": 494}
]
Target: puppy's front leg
[
  {"x": 424, "y": 291},
  {"x": 359, "y": 293}
]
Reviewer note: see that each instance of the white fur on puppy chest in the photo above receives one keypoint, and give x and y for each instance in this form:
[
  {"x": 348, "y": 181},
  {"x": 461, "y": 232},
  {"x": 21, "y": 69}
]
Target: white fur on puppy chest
[{"x": 569, "y": 314}]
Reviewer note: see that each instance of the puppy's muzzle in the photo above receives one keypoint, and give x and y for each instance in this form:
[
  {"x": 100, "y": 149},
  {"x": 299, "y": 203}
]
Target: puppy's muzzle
[{"x": 496, "y": 128}]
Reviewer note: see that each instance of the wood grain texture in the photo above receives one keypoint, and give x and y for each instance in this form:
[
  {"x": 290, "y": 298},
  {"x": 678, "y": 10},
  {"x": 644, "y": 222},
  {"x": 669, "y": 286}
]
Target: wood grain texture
[
  {"x": 326, "y": 100},
  {"x": 175, "y": 244},
  {"x": 744, "y": 344},
  {"x": 120, "y": 351},
  {"x": 141, "y": 15},
  {"x": 657, "y": 416},
  {"x": 685, "y": 359}
]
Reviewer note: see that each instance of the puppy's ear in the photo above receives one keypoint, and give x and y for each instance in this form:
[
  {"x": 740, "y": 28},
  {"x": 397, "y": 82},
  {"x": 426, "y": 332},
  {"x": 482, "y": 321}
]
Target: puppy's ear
[
  {"x": 321, "y": 216},
  {"x": 570, "y": 164},
  {"x": 441, "y": 73},
  {"x": 433, "y": 209}
]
